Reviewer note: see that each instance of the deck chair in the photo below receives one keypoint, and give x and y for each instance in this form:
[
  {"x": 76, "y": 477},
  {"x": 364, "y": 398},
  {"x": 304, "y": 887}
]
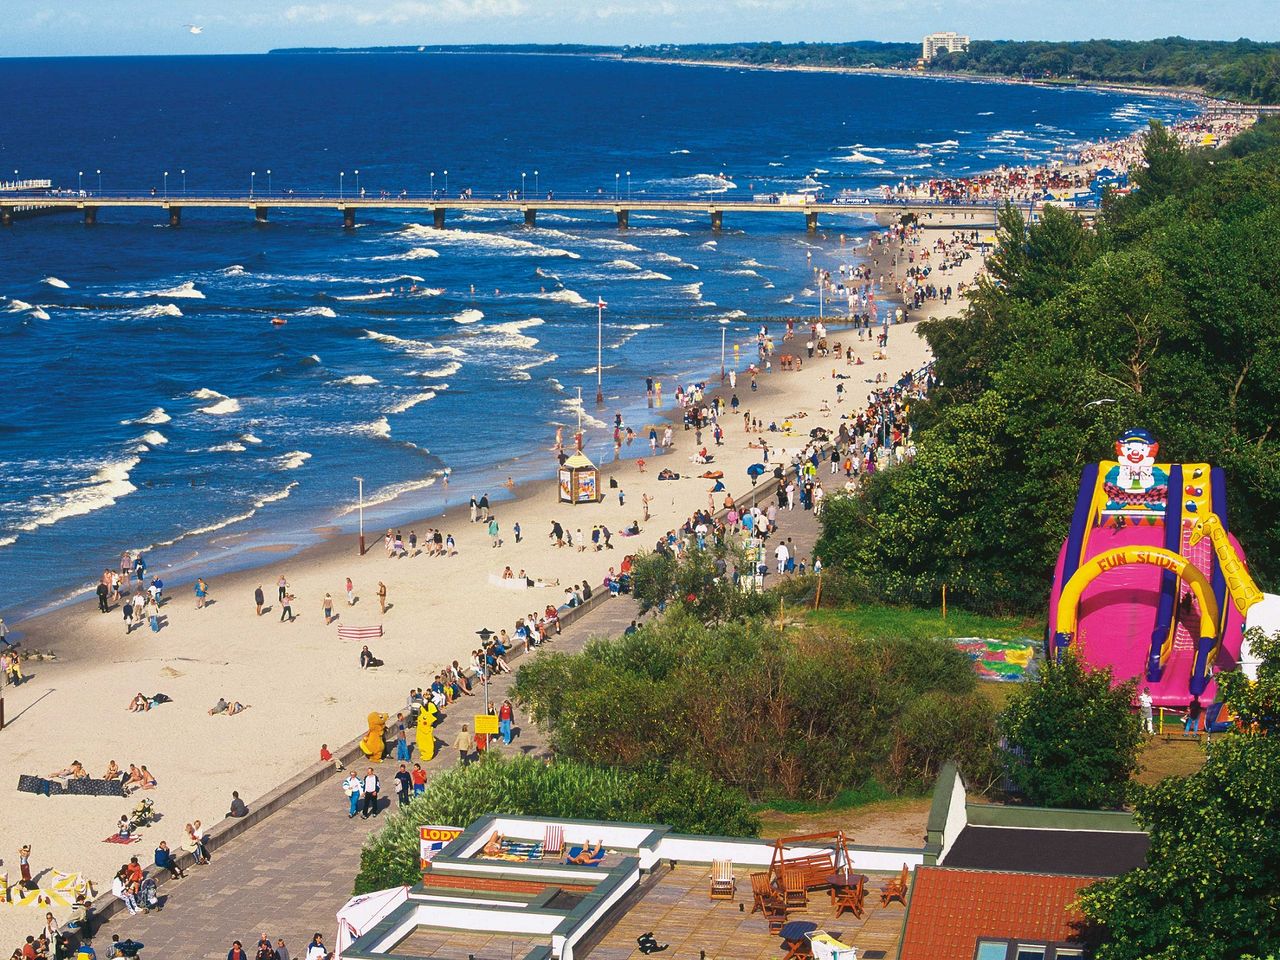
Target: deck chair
[
  {"x": 553, "y": 840},
  {"x": 896, "y": 889},
  {"x": 849, "y": 898},
  {"x": 794, "y": 893},
  {"x": 723, "y": 886},
  {"x": 768, "y": 902}
]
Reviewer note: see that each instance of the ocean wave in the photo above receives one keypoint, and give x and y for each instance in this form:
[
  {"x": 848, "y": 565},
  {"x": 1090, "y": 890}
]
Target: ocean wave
[
  {"x": 235, "y": 270},
  {"x": 573, "y": 406},
  {"x": 674, "y": 260},
  {"x": 741, "y": 273},
  {"x": 291, "y": 460},
  {"x": 317, "y": 312},
  {"x": 562, "y": 296},
  {"x": 709, "y": 245},
  {"x": 492, "y": 241},
  {"x": 700, "y": 183},
  {"x": 204, "y": 393},
  {"x": 859, "y": 157},
  {"x": 679, "y": 151},
  {"x": 751, "y": 262},
  {"x": 987, "y": 113},
  {"x": 448, "y": 370},
  {"x": 222, "y": 407},
  {"x": 39, "y": 313},
  {"x": 623, "y": 265},
  {"x": 658, "y": 232},
  {"x": 378, "y": 428},
  {"x": 389, "y": 493},
  {"x": 102, "y": 489},
  {"x": 8, "y": 541},
  {"x": 428, "y": 292},
  {"x": 467, "y": 316},
  {"x": 508, "y": 336},
  {"x": 153, "y": 438},
  {"x": 414, "y": 253},
  {"x": 155, "y": 415},
  {"x": 692, "y": 289},
  {"x": 157, "y": 310},
  {"x": 17, "y": 306},
  {"x": 55, "y": 282},
  {"x": 636, "y": 326},
  {"x": 183, "y": 291},
  {"x": 249, "y": 438},
  {"x": 591, "y": 371},
  {"x": 231, "y": 446},
  {"x": 730, "y": 315},
  {"x": 356, "y": 380},
  {"x": 367, "y": 296},
  {"x": 611, "y": 244},
  {"x": 258, "y": 504},
  {"x": 417, "y": 348},
  {"x": 411, "y": 401}
]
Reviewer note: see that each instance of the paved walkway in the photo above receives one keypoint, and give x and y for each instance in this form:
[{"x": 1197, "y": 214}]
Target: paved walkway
[{"x": 289, "y": 875}]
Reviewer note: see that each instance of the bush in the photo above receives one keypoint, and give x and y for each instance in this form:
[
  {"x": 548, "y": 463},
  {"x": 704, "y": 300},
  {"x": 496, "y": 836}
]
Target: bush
[
  {"x": 695, "y": 580},
  {"x": 1072, "y": 737},
  {"x": 685, "y": 799}
]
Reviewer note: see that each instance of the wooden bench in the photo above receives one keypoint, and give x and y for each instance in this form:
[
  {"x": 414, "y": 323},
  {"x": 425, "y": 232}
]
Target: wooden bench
[{"x": 815, "y": 870}]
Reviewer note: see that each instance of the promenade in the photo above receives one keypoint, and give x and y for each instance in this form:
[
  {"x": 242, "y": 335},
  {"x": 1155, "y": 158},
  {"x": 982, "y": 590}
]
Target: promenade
[{"x": 290, "y": 874}]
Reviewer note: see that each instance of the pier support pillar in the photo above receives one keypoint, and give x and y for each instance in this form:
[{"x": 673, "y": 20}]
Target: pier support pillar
[
  {"x": 530, "y": 217},
  {"x": 437, "y": 217},
  {"x": 717, "y": 220},
  {"x": 90, "y": 216},
  {"x": 260, "y": 214},
  {"x": 175, "y": 216},
  {"x": 624, "y": 219},
  {"x": 6, "y": 216},
  {"x": 348, "y": 218},
  {"x": 811, "y": 222}
]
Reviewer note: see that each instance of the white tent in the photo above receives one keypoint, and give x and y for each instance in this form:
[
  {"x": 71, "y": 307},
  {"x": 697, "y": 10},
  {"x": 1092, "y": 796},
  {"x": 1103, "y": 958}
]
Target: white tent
[{"x": 362, "y": 913}]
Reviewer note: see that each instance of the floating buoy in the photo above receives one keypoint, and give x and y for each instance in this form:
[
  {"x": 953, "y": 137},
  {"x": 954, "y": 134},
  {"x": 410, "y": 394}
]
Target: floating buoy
[{"x": 278, "y": 321}]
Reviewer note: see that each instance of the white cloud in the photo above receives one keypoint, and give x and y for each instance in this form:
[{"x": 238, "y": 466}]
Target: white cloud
[{"x": 404, "y": 11}]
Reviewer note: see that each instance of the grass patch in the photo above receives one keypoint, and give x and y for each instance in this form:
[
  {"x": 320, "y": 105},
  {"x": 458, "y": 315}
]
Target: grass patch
[
  {"x": 872, "y": 791},
  {"x": 879, "y": 621},
  {"x": 1160, "y": 758}
]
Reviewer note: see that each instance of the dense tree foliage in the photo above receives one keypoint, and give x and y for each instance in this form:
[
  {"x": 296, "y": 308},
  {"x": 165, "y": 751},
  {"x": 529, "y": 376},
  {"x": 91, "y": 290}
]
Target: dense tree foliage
[
  {"x": 1210, "y": 889},
  {"x": 685, "y": 799},
  {"x": 1167, "y": 316},
  {"x": 800, "y": 712},
  {"x": 1072, "y": 737}
]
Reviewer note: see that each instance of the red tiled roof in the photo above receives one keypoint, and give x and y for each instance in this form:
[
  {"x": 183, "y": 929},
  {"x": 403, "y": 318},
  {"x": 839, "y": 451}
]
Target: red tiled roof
[{"x": 952, "y": 909}]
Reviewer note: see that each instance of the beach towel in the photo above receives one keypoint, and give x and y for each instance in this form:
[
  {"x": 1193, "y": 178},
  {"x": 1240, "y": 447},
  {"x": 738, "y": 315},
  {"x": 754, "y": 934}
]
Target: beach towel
[
  {"x": 360, "y": 633},
  {"x": 522, "y": 849},
  {"x": 116, "y": 838},
  {"x": 577, "y": 851}
]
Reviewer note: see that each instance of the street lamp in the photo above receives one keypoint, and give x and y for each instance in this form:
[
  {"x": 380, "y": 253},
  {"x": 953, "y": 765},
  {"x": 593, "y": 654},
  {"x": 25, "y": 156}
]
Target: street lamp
[
  {"x": 252, "y": 176},
  {"x": 522, "y": 176},
  {"x": 268, "y": 181},
  {"x": 724, "y": 328},
  {"x": 360, "y": 495},
  {"x": 341, "y": 174},
  {"x": 446, "y": 183},
  {"x": 433, "y": 184},
  {"x": 628, "y": 184},
  {"x": 535, "y": 183},
  {"x": 183, "y": 171},
  {"x": 80, "y": 182},
  {"x": 357, "y": 183},
  {"x": 166, "y": 184},
  {"x": 99, "y": 183},
  {"x": 617, "y": 177}
]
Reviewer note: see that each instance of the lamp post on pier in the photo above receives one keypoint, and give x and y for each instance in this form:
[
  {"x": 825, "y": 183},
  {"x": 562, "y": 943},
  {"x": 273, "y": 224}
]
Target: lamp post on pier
[
  {"x": 357, "y": 184},
  {"x": 253, "y": 175},
  {"x": 341, "y": 174},
  {"x": 99, "y": 183},
  {"x": 535, "y": 183},
  {"x": 522, "y": 176},
  {"x": 268, "y": 181},
  {"x": 724, "y": 328},
  {"x": 628, "y": 184},
  {"x": 183, "y": 171},
  {"x": 616, "y": 179},
  {"x": 446, "y": 184},
  {"x": 166, "y": 184},
  {"x": 80, "y": 182},
  {"x": 433, "y": 184}
]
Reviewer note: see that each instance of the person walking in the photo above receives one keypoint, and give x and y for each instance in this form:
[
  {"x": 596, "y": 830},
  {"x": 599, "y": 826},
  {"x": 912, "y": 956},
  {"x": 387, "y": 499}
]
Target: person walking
[
  {"x": 404, "y": 783},
  {"x": 493, "y": 533},
  {"x": 463, "y": 744},
  {"x": 1145, "y": 707},
  {"x": 351, "y": 593},
  {"x": 506, "y": 716},
  {"x": 353, "y": 786},
  {"x": 382, "y": 596},
  {"x": 316, "y": 950},
  {"x": 282, "y": 587},
  {"x": 201, "y": 592},
  {"x": 259, "y": 598},
  {"x": 103, "y": 592},
  {"x": 327, "y": 607},
  {"x": 286, "y": 608},
  {"x": 369, "y": 804}
]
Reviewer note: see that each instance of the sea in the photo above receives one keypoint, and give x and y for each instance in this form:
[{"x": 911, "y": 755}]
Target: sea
[{"x": 151, "y": 403}]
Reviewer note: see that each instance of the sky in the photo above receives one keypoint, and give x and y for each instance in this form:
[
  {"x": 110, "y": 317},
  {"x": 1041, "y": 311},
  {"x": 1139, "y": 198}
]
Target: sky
[{"x": 119, "y": 27}]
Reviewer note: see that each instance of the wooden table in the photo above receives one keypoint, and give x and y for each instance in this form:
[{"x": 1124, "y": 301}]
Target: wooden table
[{"x": 848, "y": 891}]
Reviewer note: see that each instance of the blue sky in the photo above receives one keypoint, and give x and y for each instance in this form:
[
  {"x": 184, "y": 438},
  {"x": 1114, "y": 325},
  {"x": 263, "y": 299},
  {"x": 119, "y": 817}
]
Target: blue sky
[{"x": 89, "y": 27}]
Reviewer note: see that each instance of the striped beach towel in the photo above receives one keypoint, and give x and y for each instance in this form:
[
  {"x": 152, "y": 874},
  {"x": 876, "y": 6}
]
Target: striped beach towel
[{"x": 360, "y": 633}]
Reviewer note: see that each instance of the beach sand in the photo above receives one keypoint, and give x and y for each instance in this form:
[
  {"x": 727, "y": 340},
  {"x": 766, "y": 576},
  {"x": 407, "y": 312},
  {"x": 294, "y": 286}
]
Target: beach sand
[{"x": 302, "y": 683}]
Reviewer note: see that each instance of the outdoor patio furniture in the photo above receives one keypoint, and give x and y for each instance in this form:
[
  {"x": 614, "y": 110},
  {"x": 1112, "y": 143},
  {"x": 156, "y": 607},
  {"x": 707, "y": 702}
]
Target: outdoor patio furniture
[
  {"x": 827, "y": 947},
  {"x": 763, "y": 892},
  {"x": 795, "y": 940},
  {"x": 794, "y": 893},
  {"x": 553, "y": 840},
  {"x": 896, "y": 889},
  {"x": 723, "y": 885},
  {"x": 848, "y": 892}
]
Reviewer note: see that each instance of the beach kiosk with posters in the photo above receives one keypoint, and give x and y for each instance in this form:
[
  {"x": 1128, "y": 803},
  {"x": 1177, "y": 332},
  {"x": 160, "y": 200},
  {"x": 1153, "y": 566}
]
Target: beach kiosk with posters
[{"x": 579, "y": 480}]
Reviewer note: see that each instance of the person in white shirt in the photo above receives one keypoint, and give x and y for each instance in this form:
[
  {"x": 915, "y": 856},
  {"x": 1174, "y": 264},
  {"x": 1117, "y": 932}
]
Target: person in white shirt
[
  {"x": 370, "y": 801},
  {"x": 352, "y": 787},
  {"x": 316, "y": 950},
  {"x": 1145, "y": 704},
  {"x": 783, "y": 555}
]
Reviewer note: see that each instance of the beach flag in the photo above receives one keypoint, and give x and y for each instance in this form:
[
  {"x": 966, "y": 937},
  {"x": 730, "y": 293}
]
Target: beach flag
[
  {"x": 360, "y": 633},
  {"x": 600, "y": 303}
]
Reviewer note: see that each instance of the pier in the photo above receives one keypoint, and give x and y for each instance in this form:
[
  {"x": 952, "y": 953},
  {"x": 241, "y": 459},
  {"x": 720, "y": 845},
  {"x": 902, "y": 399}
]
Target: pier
[{"x": 172, "y": 207}]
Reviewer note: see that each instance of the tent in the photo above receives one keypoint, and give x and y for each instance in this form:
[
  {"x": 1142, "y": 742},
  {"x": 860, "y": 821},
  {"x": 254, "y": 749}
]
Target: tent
[{"x": 362, "y": 913}]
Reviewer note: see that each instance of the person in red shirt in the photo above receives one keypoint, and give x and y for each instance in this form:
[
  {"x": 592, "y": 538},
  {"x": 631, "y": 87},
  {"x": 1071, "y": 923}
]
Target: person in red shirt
[
  {"x": 419, "y": 778},
  {"x": 237, "y": 952}
]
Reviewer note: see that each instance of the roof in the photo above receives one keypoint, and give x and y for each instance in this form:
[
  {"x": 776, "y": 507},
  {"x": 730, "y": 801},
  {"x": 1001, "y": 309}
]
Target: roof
[
  {"x": 1097, "y": 853},
  {"x": 952, "y": 909},
  {"x": 579, "y": 460}
]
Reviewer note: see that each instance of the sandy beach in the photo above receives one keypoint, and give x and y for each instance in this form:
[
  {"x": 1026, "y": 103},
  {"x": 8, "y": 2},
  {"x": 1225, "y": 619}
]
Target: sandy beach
[{"x": 303, "y": 685}]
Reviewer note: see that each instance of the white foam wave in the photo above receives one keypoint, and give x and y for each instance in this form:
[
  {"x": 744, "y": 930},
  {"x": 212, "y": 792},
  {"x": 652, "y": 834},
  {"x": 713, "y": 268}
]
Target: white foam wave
[
  {"x": 39, "y": 313},
  {"x": 378, "y": 428},
  {"x": 55, "y": 282},
  {"x": 491, "y": 241},
  {"x": 387, "y": 494},
  {"x": 591, "y": 371},
  {"x": 317, "y": 312},
  {"x": 730, "y": 315},
  {"x": 414, "y": 253},
  {"x": 17, "y": 306},
  {"x": 204, "y": 393},
  {"x": 623, "y": 265},
  {"x": 411, "y": 401},
  {"x": 222, "y": 407},
  {"x": 153, "y": 438},
  {"x": 679, "y": 151},
  {"x": 692, "y": 289},
  {"x": 859, "y": 156},
  {"x": 155, "y": 415},
  {"x": 258, "y": 504},
  {"x": 235, "y": 270},
  {"x": 418, "y": 348},
  {"x": 658, "y": 232},
  {"x": 157, "y": 310},
  {"x": 183, "y": 291},
  {"x": 231, "y": 446},
  {"x": 249, "y": 438},
  {"x": 562, "y": 296},
  {"x": 709, "y": 245},
  {"x": 574, "y": 406},
  {"x": 741, "y": 273},
  {"x": 356, "y": 380},
  {"x": 674, "y": 260},
  {"x": 102, "y": 489},
  {"x": 367, "y": 296},
  {"x": 292, "y": 460},
  {"x": 467, "y": 316},
  {"x": 448, "y": 370}
]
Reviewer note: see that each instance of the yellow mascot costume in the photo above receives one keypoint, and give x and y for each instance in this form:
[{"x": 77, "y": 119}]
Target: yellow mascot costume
[
  {"x": 375, "y": 740},
  {"x": 428, "y": 717}
]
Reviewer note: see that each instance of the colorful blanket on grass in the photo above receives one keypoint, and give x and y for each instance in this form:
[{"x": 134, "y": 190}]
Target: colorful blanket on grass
[{"x": 1005, "y": 661}]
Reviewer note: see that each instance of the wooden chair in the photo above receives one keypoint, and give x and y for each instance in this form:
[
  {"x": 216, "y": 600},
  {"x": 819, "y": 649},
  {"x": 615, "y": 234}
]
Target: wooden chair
[
  {"x": 767, "y": 901},
  {"x": 849, "y": 898},
  {"x": 800, "y": 949},
  {"x": 794, "y": 893},
  {"x": 723, "y": 886},
  {"x": 896, "y": 889}
]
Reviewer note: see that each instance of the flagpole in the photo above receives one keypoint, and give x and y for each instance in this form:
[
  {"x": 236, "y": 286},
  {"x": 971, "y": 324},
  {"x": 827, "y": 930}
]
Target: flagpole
[{"x": 599, "y": 350}]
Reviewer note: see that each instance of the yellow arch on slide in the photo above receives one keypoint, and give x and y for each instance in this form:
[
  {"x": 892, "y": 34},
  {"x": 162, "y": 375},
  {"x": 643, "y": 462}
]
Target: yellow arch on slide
[{"x": 1068, "y": 618}]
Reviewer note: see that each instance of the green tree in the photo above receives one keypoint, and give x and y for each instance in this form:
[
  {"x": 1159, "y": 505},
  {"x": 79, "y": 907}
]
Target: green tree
[{"x": 1072, "y": 737}]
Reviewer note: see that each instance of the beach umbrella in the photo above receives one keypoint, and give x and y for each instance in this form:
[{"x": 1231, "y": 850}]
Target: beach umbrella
[
  {"x": 818, "y": 433},
  {"x": 755, "y": 470}
]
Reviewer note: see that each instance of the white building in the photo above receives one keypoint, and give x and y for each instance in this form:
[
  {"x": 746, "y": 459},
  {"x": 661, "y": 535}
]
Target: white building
[{"x": 935, "y": 43}]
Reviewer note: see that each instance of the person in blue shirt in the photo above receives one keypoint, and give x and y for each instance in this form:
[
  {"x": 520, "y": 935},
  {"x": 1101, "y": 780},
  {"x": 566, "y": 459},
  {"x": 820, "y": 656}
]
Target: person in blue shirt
[{"x": 164, "y": 861}]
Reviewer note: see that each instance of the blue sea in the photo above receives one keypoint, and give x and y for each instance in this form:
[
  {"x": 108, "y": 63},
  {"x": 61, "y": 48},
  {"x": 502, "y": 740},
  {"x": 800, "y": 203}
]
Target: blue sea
[{"x": 150, "y": 403}]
